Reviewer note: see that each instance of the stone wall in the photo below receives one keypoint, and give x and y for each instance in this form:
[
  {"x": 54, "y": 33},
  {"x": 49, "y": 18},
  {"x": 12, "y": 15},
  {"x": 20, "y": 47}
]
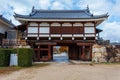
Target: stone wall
[{"x": 101, "y": 53}]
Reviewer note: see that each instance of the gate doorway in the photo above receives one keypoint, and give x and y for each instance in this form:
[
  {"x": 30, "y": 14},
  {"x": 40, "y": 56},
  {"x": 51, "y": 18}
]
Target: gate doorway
[{"x": 60, "y": 54}]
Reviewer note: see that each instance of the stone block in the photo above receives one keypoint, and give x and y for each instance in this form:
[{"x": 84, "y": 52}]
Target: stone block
[
  {"x": 112, "y": 59},
  {"x": 102, "y": 60}
]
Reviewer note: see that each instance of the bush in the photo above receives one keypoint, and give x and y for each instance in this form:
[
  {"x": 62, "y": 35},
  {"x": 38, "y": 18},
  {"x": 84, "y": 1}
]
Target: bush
[
  {"x": 4, "y": 56},
  {"x": 14, "y": 51},
  {"x": 25, "y": 57}
]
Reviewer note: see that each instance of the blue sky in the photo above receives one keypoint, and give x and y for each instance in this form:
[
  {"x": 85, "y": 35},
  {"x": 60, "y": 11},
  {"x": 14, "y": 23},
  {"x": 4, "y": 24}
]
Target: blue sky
[{"x": 110, "y": 27}]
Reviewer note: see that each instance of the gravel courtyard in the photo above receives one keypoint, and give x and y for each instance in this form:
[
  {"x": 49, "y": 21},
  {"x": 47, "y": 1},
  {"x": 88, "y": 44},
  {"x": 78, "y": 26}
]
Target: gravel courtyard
[{"x": 66, "y": 71}]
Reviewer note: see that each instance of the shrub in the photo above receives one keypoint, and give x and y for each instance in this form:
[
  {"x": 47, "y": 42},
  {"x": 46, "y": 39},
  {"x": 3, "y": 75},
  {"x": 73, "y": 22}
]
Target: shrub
[
  {"x": 4, "y": 56},
  {"x": 25, "y": 57},
  {"x": 14, "y": 51}
]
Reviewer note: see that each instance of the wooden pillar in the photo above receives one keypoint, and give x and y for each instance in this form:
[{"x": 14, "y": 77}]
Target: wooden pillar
[
  {"x": 49, "y": 52},
  {"x": 95, "y": 30},
  {"x": 38, "y": 29},
  {"x": 72, "y": 32},
  {"x": 38, "y": 53},
  {"x": 83, "y": 31},
  {"x": 26, "y": 32},
  {"x": 49, "y": 31},
  {"x": 60, "y": 31},
  {"x": 91, "y": 52},
  {"x": 83, "y": 52}
]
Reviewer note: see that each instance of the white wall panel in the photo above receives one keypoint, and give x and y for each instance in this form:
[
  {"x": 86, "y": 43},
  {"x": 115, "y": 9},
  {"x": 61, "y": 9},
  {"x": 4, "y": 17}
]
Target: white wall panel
[
  {"x": 55, "y": 24},
  {"x": 32, "y": 29},
  {"x": 33, "y": 24},
  {"x": 44, "y": 30},
  {"x": 55, "y": 35},
  {"x": 77, "y": 24},
  {"x": 66, "y": 24},
  {"x": 89, "y": 30},
  {"x": 66, "y": 35},
  {"x": 32, "y": 35},
  {"x": 78, "y": 35},
  {"x": 89, "y": 24},
  {"x": 4, "y": 28},
  {"x": 89, "y": 35},
  {"x": 44, "y": 24},
  {"x": 45, "y": 35}
]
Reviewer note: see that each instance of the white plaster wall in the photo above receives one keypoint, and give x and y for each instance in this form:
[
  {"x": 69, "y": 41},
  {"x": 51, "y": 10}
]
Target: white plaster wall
[
  {"x": 45, "y": 35},
  {"x": 78, "y": 35},
  {"x": 33, "y": 24},
  {"x": 55, "y": 35},
  {"x": 44, "y": 30},
  {"x": 77, "y": 24},
  {"x": 32, "y": 35},
  {"x": 4, "y": 28},
  {"x": 66, "y": 24},
  {"x": 55, "y": 24},
  {"x": 32, "y": 29},
  {"x": 89, "y": 30},
  {"x": 44, "y": 24},
  {"x": 89, "y": 24},
  {"x": 89, "y": 35},
  {"x": 66, "y": 35}
]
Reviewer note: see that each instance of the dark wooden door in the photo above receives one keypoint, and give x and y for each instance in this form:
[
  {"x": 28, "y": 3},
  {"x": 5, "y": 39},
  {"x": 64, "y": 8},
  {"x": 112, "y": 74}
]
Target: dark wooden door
[{"x": 73, "y": 53}]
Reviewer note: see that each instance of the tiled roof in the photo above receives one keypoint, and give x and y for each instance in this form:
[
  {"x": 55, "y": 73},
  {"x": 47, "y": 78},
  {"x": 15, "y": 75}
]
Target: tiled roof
[
  {"x": 6, "y": 20},
  {"x": 60, "y": 14}
]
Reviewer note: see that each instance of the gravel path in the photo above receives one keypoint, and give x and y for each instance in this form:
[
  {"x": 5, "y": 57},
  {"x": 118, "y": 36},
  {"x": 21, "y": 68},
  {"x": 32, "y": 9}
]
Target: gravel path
[{"x": 63, "y": 71}]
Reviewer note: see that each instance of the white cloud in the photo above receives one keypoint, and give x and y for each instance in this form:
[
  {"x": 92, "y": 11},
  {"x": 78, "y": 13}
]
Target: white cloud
[
  {"x": 44, "y": 4},
  {"x": 111, "y": 31},
  {"x": 96, "y": 6},
  {"x": 57, "y": 5},
  {"x": 115, "y": 10}
]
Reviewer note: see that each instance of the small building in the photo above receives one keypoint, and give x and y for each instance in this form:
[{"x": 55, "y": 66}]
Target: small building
[
  {"x": 5, "y": 25},
  {"x": 44, "y": 29}
]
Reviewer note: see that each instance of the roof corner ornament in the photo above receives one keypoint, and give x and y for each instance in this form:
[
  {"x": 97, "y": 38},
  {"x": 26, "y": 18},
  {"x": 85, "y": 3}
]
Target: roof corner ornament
[
  {"x": 88, "y": 8},
  {"x": 10, "y": 20},
  {"x": 92, "y": 14},
  {"x": 33, "y": 8},
  {"x": 15, "y": 13},
  {"x": 33, "y": 11},
  {"x": 107, "y": 13}
]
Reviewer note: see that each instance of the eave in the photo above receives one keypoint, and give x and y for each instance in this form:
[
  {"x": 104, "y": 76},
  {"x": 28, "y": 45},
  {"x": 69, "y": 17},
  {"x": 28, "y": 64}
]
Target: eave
[
  {"x": 6, "y": 22},
  {"x": 97, "y": 20},
  {"x": 11, "y": 26}
]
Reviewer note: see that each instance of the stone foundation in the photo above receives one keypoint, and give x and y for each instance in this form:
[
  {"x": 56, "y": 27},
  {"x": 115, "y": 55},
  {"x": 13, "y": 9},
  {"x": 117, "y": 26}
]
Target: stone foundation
[{"x": 101, "y": 53}]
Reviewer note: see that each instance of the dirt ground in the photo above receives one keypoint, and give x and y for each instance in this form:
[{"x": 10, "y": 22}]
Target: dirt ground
[{"x": 64, "y": 71}]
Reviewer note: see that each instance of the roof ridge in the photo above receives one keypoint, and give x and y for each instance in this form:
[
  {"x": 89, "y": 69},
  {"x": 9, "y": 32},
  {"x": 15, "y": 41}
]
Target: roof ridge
[{"x": 36, "y": 10}]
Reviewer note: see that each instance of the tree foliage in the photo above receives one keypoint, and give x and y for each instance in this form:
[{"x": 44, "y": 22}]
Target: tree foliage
[{"x": 63, "y": 49}]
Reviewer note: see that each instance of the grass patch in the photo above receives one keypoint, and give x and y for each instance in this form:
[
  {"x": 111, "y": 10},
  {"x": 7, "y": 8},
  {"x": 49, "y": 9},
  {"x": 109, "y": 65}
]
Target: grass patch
[{"x": 7, "y": 70}]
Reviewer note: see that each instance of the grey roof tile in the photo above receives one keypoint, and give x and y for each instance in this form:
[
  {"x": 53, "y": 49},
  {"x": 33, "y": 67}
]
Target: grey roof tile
[
  {"x": 6, "y": 20},
  {"x": 60, "y": 14}
]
